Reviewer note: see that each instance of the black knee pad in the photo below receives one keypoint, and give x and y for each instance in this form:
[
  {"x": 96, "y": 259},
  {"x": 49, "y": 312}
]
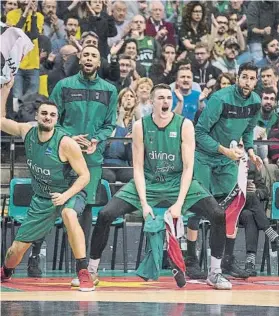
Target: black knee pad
[{"x": 194, "y": 222}]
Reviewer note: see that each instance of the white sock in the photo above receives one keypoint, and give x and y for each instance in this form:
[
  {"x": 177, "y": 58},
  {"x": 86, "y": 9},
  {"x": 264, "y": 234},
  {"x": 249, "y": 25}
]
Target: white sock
[
  {"x": 93, "y": 265},
  {"x": 215, "y": 265}
]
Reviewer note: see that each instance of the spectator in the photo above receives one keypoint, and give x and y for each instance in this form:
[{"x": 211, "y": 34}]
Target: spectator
[
  {"x": 60, "y": 70},
  {"x": 268, "y": 117},
  {"x": 157, "y": 27},
  {"x": 143, "y": 89},
  {"x": 185, "y": 100},
  {"x": 253, "y": 218},
  {"x": 202, "y": 68},
  {"x": 101, "y": 23},
  {"x": 262, "y": 19},
  {"x": 143, "y": 8},
  {"x": 193, "y": 26},
  {"x": 271, "y": 53},
  {"x": 148, "y": 47},
  {"x": 173, "y": 11},
  {"x": 53, "y": 27},
  {"x": 70, "y": 38},
  {"x": 126, "y": 73},
  {"x": 119, "y": 153},
  {"x": 164, "y": 70},
  {"x": 109, "y": 71},
  {"x": 31, "y": 22},
  {"x": 237, "y": 7},
  {"x": 130, "y": 48},
  {"x": 228, "y": 62},
  {"x": 6, "y": 7},
  {"x": 269, "y": 78},
  {"x": 119, "y": 13},
  {"x": 224, "y": 80},
  {"x": 273, "y": 150}
]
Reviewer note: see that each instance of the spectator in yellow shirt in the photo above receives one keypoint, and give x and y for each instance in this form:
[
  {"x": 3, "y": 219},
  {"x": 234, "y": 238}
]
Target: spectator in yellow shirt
[{"x": 31, "y": 22}]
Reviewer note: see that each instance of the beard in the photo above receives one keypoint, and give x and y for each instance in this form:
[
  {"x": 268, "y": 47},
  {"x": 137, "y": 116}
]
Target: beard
[
  {"x": 88, "y": 74},
  {"x": 43, "y": 128},
  {"x": 273, "y": 56}
]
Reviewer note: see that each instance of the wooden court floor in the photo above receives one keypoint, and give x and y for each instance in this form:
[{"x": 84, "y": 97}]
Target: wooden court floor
[{"x": 119, "y": 294}]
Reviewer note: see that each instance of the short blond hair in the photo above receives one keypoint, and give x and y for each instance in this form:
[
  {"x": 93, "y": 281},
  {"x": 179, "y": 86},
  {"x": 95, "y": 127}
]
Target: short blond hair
[{"x": 143, "y": 81}]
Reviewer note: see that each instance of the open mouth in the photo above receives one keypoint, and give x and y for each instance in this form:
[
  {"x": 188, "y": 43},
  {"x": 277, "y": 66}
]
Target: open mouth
[{"x": 165, "y": 108}]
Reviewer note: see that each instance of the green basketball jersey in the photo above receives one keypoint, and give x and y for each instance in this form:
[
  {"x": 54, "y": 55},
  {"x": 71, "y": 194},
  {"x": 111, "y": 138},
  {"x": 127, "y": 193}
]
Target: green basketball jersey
[
  {"x": 163, "y": 160},
  {"x": 49, "y": 174}
]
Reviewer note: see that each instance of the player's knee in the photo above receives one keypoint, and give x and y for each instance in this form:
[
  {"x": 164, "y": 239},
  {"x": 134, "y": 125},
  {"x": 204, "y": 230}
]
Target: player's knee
[
  {"x": 69, "y": 215},
  {"x": 219, "y": 217},
  {"x": 105, "y": 216},
  {"x": 193, "y": 223},
  {"x": 18, "y": 247}
]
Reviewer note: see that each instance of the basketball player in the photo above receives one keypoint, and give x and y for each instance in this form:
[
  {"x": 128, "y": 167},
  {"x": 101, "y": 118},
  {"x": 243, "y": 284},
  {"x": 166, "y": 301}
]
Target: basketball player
[
  {"x": 231, "y": 114},
  {"x": 163, "y": 159},
  {"x": 59, "y": 174}
]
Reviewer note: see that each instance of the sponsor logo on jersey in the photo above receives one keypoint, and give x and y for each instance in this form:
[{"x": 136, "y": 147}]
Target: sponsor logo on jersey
[
  {"x": 48, "y": 151},
  {"x": 37, "y": 169},
  {"x": 161, "y": 156},
  {"x": 173, "y": 134}
]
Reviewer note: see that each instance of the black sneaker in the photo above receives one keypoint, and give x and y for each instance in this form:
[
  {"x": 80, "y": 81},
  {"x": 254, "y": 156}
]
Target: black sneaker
[
  {"x": 250, "y": 268},
  {"x": 193, "y": 270},
  {"x": 179, "y": 276},
  {"x": 230, "y": 266},
  {"x": 275, "y": 244},
  {"x": 33, "y": 270}
]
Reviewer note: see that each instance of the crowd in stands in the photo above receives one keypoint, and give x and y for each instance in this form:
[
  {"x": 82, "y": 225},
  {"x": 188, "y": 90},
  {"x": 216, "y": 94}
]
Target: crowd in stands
[{"x": 196, "y": 47}]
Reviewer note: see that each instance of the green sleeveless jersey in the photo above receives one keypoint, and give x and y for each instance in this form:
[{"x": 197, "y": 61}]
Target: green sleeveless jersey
[
  {"x": 48, "y": 173},
  {"x": 163, "y": 160}
]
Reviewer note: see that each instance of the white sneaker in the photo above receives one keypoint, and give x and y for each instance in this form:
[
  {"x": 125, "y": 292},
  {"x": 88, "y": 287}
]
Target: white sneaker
[
  {"x": 75, "y": 281},
  {"x": 219, "y": 282}
]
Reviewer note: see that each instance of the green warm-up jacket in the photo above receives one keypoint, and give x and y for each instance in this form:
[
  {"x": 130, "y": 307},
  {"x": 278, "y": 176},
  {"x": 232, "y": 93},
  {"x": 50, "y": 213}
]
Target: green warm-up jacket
[
  {"x": 228, "y": 116},
  {"x": 87, "y": 107}
]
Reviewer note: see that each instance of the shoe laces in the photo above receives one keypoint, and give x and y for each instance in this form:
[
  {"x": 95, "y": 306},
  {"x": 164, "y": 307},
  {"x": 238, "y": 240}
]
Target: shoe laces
[{"x": 220, "y": 277}]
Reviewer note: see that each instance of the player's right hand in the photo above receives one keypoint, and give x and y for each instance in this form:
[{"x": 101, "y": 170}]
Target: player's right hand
[
  {"x": 147, "y": 209},
  {"x": 82, "y": 140},
  {"x": 234, "y": 153}
]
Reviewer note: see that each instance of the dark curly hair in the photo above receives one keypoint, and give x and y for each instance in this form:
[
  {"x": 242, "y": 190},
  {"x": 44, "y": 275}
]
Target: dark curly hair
[{"x": 187, "y": 15}]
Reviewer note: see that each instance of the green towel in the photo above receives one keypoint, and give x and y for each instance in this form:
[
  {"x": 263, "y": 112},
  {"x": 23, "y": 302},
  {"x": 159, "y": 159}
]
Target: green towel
[{"x": 155, "y": 235}]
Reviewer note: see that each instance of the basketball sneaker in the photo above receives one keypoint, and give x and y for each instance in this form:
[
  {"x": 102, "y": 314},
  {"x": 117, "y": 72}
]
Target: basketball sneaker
[
  {"x": 193, "y": 269},
  {"x": 33, "y": 269},
  {"x": 229, "y": 265},
  {"x": 4, "y": 277},
  {"x": 94, "y": 276},
  {"x": 85, "y": 281},
  {"x": 250, "y": 268},
  {"x": 218, "y": 281}
]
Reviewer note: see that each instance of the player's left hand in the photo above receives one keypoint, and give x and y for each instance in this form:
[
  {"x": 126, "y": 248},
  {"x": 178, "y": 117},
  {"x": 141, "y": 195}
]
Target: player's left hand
[
  {"x": 257, "y": 161},
  {"x": 175, "y": 210},
  {"x": 58, "y": 198}
]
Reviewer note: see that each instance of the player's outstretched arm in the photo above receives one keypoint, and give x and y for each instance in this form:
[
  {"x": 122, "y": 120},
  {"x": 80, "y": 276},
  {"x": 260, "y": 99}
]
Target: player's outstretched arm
[{"x": 9, "y": 126}]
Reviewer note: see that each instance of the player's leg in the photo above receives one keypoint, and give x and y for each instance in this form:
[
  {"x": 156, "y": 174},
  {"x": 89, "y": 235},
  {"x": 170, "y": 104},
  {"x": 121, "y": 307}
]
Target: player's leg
[
  {"x": 202, "y": 173},
  {"x": 210, "y": 209},
  {"x": 246, "y": 219},
  {"x": 116, "y": 207},
  {"x": 72, "y": 209},
  {"x": 33, "y": 267},
  {"x": 13, "y": 258},
  {"x": 223, "y": 181}
]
